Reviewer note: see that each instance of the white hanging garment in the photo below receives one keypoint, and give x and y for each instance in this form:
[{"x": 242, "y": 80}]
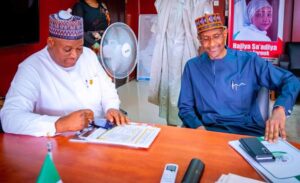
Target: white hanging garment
[{"x": 176, "y": 43}]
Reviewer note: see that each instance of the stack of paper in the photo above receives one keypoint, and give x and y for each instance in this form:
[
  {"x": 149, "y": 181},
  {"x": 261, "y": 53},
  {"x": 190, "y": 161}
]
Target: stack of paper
[
  {"x": 232, "y": 178},
  {"x": 133, "y": 135},
  {"x": 286, "y": 167}
]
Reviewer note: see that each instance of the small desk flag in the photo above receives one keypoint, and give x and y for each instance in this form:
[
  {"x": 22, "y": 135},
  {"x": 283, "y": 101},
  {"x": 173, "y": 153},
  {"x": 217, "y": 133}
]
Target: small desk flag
[{"x": 48, "y": 173}]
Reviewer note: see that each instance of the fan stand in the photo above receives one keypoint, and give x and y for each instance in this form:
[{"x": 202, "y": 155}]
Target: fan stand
[{"x": 120, "y": 82}]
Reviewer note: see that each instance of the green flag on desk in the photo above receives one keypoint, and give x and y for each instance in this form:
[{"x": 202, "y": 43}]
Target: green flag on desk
[{"x": 48, "y": 173}]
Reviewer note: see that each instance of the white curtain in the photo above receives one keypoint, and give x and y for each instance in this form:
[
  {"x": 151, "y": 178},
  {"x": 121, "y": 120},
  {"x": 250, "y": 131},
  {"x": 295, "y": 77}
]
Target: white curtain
[{"x": 176, "y": 43}]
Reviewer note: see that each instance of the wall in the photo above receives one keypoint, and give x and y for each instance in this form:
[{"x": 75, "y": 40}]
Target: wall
[
  {"x": 288, "y": 18},
  {"x": 220, "y": 8},
  {"x": 133, "y": 8},
  {"x": 10, "y": 57},
  {"x": 291, "y": 27},
  {"x": 296, "y": 22},
  {"x": 116, "y": 10}
]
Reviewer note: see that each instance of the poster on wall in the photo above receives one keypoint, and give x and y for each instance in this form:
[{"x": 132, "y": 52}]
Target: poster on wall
[
  {"x": 145, "y": 45},
  {"x": 257, "y": 26}
]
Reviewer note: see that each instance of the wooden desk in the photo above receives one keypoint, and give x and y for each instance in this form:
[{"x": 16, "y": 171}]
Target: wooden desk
[{"x": 21, "y": 157}]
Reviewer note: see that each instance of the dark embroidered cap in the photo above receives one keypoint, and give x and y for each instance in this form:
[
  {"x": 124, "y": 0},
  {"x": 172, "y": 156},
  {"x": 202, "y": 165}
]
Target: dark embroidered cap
[{"x": 65, "y": 26}]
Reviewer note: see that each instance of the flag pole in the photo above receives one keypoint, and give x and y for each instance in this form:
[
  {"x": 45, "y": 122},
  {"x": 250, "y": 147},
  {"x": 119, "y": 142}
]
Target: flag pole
[{"x": 49, "y": 149}]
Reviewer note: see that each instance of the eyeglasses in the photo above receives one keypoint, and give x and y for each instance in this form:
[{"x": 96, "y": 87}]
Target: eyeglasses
[{"x": 214, "y": 37}]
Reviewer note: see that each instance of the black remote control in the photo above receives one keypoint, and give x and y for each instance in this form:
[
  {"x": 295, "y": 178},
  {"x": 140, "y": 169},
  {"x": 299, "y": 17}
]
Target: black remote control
[{"x": 194, "y": 171}]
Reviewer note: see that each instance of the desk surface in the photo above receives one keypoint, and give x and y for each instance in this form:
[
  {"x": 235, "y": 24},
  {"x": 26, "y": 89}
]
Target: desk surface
[{"x": 21, "y": 157}]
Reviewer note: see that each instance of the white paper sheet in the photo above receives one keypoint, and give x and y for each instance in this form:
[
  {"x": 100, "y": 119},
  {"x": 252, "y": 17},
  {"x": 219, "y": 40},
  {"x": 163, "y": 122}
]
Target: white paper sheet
[
  {"x": 287, "y": 162},
  {"x": 233, "y": 178},
  {"x": 133, "y": 135}
]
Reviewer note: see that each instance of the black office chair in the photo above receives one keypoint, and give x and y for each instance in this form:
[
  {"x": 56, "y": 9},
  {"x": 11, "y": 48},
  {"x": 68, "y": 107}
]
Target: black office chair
[
  {"x": 1, "y": 103},
  {"x": 1, "y": 130},
  {"x": 291, "y": 59}
]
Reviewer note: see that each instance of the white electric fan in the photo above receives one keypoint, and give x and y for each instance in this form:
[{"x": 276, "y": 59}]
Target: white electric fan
[{"x": 118, "y": 53}]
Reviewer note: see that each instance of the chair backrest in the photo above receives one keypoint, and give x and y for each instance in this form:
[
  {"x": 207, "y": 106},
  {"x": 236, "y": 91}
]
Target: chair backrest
[
  {"x": 293, "y": 51},
  {"x": 263, "y": 102}
]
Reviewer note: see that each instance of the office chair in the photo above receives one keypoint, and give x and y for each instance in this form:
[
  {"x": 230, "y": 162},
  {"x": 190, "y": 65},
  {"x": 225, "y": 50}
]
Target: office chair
[
  {"x": 290, "y": 60},
  {"x": 1, "y": 129}
]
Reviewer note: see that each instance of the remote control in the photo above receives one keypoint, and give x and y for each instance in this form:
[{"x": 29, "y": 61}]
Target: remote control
[
  {"x": 169, "y": 174},
  {"x": 194, "y": 171}
]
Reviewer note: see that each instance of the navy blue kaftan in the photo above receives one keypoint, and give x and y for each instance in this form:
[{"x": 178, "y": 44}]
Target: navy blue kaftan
[{"x": 221, "y": 94}]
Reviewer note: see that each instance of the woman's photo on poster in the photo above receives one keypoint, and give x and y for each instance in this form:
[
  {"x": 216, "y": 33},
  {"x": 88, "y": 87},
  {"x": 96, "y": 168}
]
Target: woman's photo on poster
[{"x": 255, "y": 20}]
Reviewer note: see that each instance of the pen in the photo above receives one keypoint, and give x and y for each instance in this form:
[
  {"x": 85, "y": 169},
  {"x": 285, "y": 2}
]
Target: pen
[
  {"x": 49, "y": 148},
  {"x": 108, "y": 125}
]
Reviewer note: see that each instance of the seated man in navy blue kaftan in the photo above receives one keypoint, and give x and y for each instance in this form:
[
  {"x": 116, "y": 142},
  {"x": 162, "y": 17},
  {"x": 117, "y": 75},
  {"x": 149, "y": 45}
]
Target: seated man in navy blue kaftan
[{"x": 219, "y": 88}]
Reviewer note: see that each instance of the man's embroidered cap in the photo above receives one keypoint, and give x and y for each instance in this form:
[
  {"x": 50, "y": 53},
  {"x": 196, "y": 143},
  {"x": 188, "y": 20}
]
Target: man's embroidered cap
[
  {"x": 209, "y": 22},
  {"x": 63, "y": 25}
]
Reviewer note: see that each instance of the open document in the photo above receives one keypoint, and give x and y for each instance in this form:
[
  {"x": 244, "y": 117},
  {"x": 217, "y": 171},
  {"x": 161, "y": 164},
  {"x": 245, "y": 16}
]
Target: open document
[
  {"x": 233, "y": 178},
  {"x": 286, "y": 167},
  {"x": 134, "y": 135}
]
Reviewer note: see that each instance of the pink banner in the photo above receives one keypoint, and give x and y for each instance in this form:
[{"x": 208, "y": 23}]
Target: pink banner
[{"x": 256, "y": 25}]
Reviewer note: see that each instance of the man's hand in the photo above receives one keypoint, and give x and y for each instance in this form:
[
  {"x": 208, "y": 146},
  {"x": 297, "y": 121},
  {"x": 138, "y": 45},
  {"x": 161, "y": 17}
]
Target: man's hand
[
  {"x": 96, "y": 35},
  {"x": 275, "y": 125},
  {"x": 116, "y": 116},
  {"x": 74, "y": 121}
]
